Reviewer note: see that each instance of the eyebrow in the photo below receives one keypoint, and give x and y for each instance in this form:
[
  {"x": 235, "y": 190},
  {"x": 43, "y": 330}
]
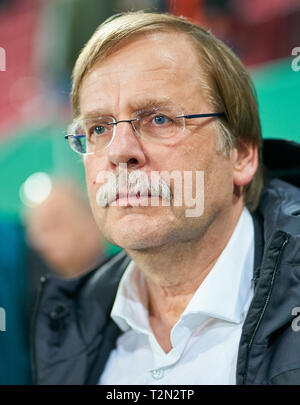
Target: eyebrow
[
  {"x": 148, "y": 103},
  {"x": 93, "y": 114},
  {"x": 135, "y": 106}
]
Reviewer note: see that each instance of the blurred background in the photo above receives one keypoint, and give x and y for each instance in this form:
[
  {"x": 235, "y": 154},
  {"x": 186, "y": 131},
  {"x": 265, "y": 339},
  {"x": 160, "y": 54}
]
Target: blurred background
[{"x": 39, "y": 42}]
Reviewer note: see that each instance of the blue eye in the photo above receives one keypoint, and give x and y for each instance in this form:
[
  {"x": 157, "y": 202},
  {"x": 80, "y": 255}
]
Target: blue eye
[
  {"x": 99, "y": 130},
  {"x": 160, "y": 120}
]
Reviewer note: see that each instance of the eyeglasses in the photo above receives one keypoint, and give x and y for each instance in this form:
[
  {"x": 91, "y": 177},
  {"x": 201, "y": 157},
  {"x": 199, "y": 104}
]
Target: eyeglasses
[{"x": 164, "y": 125}]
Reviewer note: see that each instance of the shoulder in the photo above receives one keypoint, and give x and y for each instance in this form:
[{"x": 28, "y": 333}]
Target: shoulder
[
  {"x": 280, "y": 207},
  {"x": 88, "y": 297}
]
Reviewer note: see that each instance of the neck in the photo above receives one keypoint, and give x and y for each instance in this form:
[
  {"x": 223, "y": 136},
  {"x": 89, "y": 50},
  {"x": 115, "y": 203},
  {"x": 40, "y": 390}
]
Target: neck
[{"x": 174, "y": 272}]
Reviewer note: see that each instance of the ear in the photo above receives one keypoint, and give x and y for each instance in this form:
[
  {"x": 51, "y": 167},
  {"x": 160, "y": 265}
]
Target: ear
[{"x": 245, "y": 163}]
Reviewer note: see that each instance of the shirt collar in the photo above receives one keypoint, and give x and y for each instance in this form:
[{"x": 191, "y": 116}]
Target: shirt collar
[
  {"x": 226, "y": 290},
  {"x": 130, "y": 309},
  {"x": 223, "y": 294}
]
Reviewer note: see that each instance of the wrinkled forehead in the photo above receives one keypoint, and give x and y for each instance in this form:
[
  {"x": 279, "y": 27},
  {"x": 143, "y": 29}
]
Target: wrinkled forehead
[
  {"x": 151, "y": 67},
  {"x": 167, "y": 42}
]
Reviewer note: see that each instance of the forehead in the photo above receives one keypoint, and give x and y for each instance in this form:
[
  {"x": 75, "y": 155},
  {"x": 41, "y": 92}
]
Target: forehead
[{"x": 163, "y": 66}]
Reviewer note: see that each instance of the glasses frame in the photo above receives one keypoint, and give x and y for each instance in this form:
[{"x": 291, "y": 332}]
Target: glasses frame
[{"x": 115, "y": 122}]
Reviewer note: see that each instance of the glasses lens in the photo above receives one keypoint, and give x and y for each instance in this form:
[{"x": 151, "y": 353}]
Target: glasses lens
[
  {"x": 89, "y": 136},
  {"x": 99, "y": 132},
  {"x": 160, "y": 123},
  {"x": 77, "y": 138},
  {"x": 78, "y": 143}
]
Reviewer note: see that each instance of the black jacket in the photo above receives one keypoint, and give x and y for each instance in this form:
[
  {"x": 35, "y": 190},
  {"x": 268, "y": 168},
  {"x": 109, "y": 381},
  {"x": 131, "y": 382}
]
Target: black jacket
[{"x": 73, "y": 335}]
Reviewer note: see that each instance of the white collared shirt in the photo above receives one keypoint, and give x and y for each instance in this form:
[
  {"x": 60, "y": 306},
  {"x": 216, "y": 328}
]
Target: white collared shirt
[{"x": 205, "y": 340}]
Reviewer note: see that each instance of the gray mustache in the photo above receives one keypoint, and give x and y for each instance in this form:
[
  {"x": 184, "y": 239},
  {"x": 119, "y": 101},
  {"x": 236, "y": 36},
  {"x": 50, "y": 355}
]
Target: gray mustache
[{"x": 138, "y": 183}]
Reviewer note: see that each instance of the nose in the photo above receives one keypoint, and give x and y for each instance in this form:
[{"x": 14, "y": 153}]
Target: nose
[{"x": 126, "y": 146}]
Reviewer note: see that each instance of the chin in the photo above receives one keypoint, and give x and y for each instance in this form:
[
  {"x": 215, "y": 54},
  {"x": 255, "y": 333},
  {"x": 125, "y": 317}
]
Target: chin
[
  {"x": 140, "y": 244},
  {"x": 134, "y": 239},
  {"x": 136, "y": 233},
  {"x": 137, "y": 228}
]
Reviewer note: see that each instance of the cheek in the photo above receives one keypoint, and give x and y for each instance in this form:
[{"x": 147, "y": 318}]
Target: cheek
[
  {"x": 219, "y": 182},
  {"x": 92, "y": 168}
]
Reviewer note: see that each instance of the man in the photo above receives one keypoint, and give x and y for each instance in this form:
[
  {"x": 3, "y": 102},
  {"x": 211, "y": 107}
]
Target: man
[
  {"x": 55, "y": 229},
  {"x": 56, "y": 245},
  {"x": 205, "y": 292}
]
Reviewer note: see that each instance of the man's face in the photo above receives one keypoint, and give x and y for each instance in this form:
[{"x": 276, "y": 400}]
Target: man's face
[
  {"x": 154, "y": 67},
  {"x": 52, "y": 230}
]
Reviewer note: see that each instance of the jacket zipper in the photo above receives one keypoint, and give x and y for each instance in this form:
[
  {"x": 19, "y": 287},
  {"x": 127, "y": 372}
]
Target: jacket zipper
[
  {"x": 43, "y": 281},
  {"x": 265, "y": 304}
]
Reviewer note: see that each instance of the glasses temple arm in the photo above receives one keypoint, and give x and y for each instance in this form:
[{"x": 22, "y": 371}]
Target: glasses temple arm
[{"x": 201, "y": 115}]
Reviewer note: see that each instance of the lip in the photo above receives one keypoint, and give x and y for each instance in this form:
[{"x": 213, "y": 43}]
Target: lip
[{"x": 125, "y": 199}]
